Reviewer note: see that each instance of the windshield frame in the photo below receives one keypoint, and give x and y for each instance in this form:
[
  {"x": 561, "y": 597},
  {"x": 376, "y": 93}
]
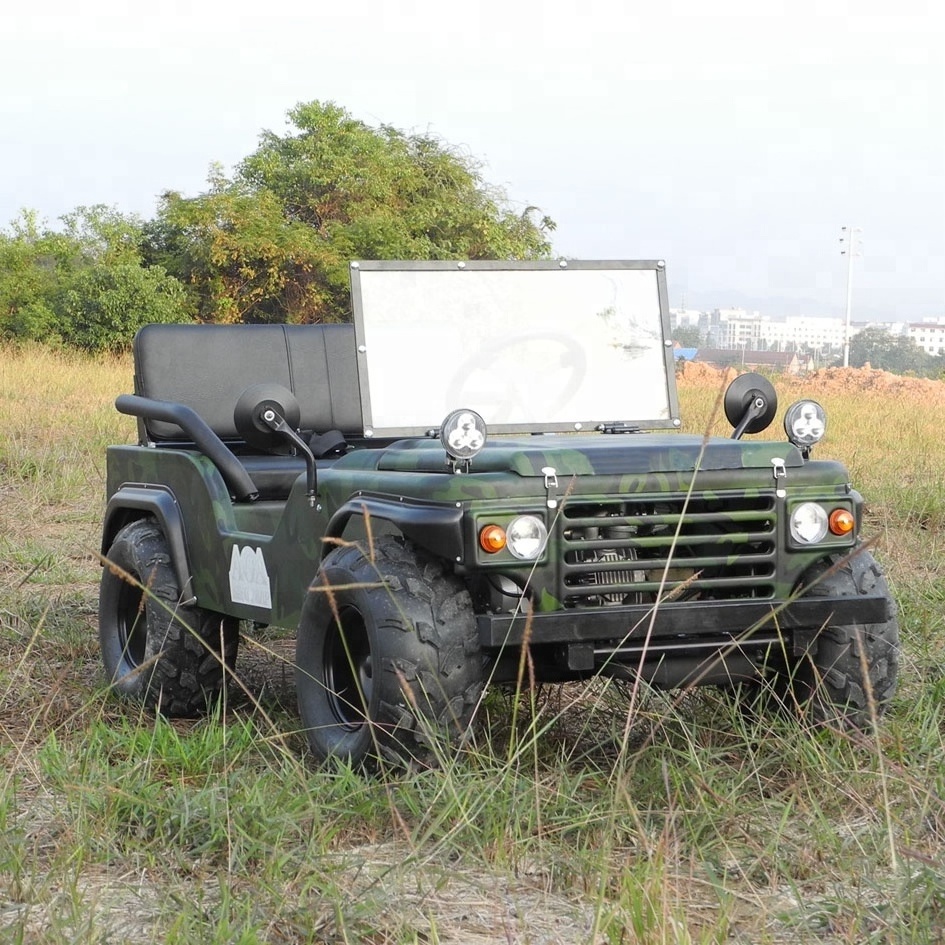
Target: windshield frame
[{"x": 548, "y": 346}]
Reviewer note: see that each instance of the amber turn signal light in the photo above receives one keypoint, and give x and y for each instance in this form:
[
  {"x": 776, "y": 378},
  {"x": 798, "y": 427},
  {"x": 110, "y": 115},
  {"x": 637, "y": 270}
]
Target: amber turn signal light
[
  {"x": 492, "y": 538},
  {"x": 841, "y": 522}
]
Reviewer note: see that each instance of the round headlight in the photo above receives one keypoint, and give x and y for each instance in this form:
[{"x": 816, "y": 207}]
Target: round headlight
[
  {"x": 805, "y": 423},
  {"x": 526, "y": 536},
  {"x": 809, "y": 523},
  {"x": 463, "y": 434}
]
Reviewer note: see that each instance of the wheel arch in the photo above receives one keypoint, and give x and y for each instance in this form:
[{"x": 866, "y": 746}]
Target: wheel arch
[
  {"x": 435, "y": 528},
  {"x": 131, "y": 503}
]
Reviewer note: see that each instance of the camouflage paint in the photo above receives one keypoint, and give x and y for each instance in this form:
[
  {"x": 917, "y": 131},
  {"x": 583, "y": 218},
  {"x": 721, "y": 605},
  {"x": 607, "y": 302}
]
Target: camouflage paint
[{"x": 407, "y": 486}]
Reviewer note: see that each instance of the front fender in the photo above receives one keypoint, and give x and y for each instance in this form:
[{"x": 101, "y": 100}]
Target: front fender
[
  {"x": 133, "y": 502},
  {"x": 436, "y": 528}
]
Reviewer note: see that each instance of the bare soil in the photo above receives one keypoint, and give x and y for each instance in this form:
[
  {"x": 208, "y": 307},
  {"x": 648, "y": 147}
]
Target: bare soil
[{"x": 833, "y": 380}]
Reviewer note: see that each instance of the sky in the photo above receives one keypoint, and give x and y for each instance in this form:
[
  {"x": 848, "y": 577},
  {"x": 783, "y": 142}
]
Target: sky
[{"x": 731, "y": 138}]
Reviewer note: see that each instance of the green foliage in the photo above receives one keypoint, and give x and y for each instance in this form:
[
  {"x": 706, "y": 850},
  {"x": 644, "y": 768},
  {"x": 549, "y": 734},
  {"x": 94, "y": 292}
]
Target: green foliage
[
  {"x": 104, "y": 305},
  {"x": 235, "y": 248},
  {"x": 84, "y": 285},
  {"x": 898, "y": 354},
  {"x": 31, "y": 261},
  {"x": 687, "y": 336},
  {"x": 102, "y": 235},
  {"x": 274, "y": 243}
]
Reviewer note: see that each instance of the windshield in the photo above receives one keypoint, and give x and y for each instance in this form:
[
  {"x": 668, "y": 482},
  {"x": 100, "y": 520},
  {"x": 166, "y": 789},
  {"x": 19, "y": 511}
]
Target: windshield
[{"x": 532, "y": 347}]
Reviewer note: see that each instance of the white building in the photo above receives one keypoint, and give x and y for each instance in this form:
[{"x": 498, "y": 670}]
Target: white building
[
  {"x": 737, "y": 329},
  {"x": 928, "y": 335},
  {"x": 732, "y": 328},
  {"x": 685, "y": 317},
  {"x": 806, "y": 332}
]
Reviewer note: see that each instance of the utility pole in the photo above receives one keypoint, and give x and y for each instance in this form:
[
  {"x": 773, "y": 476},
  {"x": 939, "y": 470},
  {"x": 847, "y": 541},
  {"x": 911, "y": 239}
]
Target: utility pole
[{"x": 850, "y": 251}]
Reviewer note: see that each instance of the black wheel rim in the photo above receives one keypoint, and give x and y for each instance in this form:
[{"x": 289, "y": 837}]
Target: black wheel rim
[
  {"x": 349, "y": 669},
  {"x": 132, "y": 625}
]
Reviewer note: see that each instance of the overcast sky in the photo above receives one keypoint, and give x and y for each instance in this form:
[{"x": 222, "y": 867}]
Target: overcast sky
[{"x": 731, "y": 138}]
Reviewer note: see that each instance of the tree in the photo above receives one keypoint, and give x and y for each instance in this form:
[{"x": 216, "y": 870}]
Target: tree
[
  {"x": 102, "y": 235},
  {"x": 873, "y": 345},
  {"x": 686, "y": 336},
  {"x": 104, "y": 305},
  {"x": 896, "y": 353},
  {"x": 275, "y": 242},
  {"x": 85, "y": 284},
  {"x": 31, "y": 261},
  {"x": 238, "y": 253}
]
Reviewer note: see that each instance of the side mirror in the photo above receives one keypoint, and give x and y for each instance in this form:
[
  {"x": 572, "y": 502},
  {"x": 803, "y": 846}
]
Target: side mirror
[
  {"x": 750, "y": 404},
  {"x": 267, "y": 417}
]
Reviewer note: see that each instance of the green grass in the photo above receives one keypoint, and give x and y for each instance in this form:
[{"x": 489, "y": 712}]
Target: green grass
[{"x": 575, "y": 814}]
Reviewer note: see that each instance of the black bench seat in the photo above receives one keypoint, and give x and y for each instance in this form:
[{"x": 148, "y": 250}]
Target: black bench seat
[{"x": 207, "y": 367}]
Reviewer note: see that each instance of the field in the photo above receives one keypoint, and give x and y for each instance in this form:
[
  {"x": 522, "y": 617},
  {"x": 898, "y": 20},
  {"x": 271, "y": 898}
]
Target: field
[{"x": 575, "y": 815}]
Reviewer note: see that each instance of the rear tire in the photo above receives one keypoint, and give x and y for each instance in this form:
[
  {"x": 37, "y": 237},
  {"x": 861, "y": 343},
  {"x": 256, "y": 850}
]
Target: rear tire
[
  {"x": 157, "y": 651},
  {"x": 849, "y": 675},
  {"x": 388, "y": 658}
]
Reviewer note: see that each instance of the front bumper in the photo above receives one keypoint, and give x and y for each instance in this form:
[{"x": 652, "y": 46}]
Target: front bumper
[{"x": 691, "y": 620}]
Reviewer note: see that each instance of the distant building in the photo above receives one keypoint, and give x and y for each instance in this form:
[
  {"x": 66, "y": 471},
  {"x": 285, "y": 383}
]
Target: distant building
[
  {"x": 809, "y": 332},
  {"x": 788, "y": 361},
  {"x": 928, "y": 335},
  {"x": 814, "y": 336},
  {"x": 732, "y": 328},
  {"x": 685, "y": 317}
]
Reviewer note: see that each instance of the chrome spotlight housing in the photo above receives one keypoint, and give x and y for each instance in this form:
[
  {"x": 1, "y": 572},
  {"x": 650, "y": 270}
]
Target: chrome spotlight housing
[
  {"x": 805, "y": 424},
  {"x": 463, "y": 434}
]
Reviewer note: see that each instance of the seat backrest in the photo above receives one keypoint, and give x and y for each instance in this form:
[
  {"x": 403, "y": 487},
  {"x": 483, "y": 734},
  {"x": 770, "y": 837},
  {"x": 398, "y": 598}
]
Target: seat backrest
[{"x": 207, "y": 367}]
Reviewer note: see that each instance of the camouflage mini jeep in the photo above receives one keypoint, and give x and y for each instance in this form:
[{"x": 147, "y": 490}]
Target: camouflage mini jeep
[{"x": 486, "y": 460}]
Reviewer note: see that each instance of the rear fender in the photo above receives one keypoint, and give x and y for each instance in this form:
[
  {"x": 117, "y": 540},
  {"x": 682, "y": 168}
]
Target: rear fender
[{"x": 131, "y": 503}]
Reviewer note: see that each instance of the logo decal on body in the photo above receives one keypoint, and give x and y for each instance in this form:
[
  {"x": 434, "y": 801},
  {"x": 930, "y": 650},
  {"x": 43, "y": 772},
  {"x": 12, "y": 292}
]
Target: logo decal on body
[{"x": 249, "y": 579}]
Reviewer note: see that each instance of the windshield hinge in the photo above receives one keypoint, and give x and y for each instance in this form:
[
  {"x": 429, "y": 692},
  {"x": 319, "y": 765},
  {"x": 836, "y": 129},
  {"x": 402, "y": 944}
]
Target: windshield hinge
[{"x": 619, "y": 427}]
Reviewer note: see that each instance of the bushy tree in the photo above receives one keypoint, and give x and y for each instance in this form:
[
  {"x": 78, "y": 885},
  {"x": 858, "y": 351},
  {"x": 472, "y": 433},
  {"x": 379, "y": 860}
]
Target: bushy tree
[
  {"x": 275, "y": 242},
  {"x": 31, "y": 263},
  {"x": 84, "y": 284},
  {"x": 898, "y": 354},
  {"x": 687, "y": 336},
  {"x": 104, "y": 305},
  {"x": 102, "y": 235},
  {"x": 242, "y": 259}
]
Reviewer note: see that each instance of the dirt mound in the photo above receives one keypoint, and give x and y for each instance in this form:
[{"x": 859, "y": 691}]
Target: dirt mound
[
  {"x": 695, "y": 374},
  {"x": 866, "y": 378},
  {"x": 835, "y": 380}
]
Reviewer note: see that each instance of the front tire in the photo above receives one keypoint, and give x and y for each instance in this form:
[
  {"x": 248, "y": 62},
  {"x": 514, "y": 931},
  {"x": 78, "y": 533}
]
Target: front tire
[
  {"x": 170, "y": 657},
  {"x": 388, "y": 658},
  {"x": 849, "y": 675}
]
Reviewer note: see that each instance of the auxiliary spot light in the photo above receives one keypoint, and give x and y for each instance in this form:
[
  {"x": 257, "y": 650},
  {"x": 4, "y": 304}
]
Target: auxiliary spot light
[
  {"x": 805, "y": 423},
  {"x": 463, "y": 434}
]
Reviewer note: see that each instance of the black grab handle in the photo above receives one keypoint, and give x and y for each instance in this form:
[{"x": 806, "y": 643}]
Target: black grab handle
[{"x": 234, "y": 475}]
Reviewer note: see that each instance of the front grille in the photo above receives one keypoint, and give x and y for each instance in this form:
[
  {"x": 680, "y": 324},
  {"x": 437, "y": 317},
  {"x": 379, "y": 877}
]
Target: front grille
[{"x": 634, "y": 550}]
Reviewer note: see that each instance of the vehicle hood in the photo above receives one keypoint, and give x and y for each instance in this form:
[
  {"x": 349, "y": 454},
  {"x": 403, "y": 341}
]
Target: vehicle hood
[{"x": 589, "y": 455}]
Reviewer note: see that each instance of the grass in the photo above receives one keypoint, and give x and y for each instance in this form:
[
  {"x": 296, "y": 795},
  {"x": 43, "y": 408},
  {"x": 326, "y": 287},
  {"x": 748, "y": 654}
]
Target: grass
[{"x": 564, "y": 820}]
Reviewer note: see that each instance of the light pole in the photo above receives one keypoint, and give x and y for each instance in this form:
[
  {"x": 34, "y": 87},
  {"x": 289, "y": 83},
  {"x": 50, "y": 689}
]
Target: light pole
[{"x": 850, "y": 251}]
